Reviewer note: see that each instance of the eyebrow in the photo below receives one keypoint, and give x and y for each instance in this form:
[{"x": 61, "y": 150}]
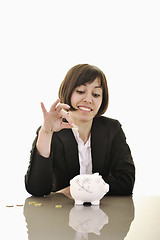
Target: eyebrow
[{"x": 99, "y": 86}]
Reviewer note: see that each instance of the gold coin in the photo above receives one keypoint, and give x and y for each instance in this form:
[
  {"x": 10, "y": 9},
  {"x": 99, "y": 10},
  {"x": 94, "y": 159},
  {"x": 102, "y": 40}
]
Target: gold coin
[
  {"x": 19, "y": 205},
  {"x": 38, "y": 204},
  {"x": 58, "y": 206},
  {"x": 32, "y": 203},
  {"x": 9, "y": 206}
]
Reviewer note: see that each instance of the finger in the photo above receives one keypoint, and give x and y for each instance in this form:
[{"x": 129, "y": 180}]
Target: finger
[
  {"x": 54, "y": 105},
  {"x": 66, "y": 125},
  {"x": 43, "y": 108},
  {"x": 62, "y": 106},
  {"x": 68, "y": 118}
]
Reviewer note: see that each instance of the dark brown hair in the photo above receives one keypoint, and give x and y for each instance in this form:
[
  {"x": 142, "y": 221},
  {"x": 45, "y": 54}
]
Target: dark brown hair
[{"x": 80, "y": 75}]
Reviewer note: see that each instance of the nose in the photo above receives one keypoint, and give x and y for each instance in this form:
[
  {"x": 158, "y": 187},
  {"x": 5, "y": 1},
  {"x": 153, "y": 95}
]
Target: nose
[{"x": 88, "y": 98}]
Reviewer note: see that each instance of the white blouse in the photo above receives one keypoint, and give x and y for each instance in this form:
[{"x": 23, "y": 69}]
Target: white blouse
[{"x": 84, "y": 151}]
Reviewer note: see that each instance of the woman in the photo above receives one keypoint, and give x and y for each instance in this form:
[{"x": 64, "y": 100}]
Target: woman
[{"x": 75, "y": 138}]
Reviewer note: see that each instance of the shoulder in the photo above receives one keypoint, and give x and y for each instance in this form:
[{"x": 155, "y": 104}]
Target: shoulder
[
  {"x": 111, "y": 127},
  {"x": 106, "y": 121},
  {"x": 106, "y": 128}
]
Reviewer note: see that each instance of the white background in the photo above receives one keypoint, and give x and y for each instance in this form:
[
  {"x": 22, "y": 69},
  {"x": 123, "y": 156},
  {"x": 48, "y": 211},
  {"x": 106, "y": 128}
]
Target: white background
[{"x": 41, "y": 40}]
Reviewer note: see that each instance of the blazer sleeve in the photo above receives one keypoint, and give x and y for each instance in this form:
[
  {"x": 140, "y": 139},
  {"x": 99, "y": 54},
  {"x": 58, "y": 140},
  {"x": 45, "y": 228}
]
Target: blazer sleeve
[
  {"x": 38, "y": 179},
  {"x": 121, "y": 176}
]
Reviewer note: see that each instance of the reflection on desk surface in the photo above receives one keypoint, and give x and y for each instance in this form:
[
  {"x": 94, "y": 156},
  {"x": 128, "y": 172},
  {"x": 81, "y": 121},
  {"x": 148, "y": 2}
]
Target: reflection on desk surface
[{"x": 110, "y": 220}]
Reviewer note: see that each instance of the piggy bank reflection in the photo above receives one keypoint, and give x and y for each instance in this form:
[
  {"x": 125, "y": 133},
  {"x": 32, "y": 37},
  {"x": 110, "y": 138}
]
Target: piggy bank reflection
[
  {"x": 87, "y": 219},
  {"x": 88, "y": 188}
]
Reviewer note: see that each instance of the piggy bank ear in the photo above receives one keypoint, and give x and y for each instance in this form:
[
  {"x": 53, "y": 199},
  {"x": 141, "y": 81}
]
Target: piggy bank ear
[{"x": 96, "y": 174}]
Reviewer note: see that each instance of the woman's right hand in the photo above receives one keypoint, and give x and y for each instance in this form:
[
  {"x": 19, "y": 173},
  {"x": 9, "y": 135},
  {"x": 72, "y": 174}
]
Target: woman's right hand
[{"x": 53, "y": 119}]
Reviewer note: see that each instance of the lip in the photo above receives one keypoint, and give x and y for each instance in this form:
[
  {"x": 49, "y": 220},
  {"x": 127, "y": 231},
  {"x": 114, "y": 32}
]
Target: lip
[{"x": 85, "y": 108}]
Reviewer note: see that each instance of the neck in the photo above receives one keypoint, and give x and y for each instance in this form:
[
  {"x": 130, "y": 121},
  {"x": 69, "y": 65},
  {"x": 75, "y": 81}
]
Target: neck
[
  {"x": 84, "y": 129},
  {"x": 84, "y": 132}
]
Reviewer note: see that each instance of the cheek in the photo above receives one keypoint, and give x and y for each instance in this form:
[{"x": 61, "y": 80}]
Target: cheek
[
  {"x": 74, "y": 99},
  {"x": 99, "y": 102},
  {"x": 98, "y": 105}
]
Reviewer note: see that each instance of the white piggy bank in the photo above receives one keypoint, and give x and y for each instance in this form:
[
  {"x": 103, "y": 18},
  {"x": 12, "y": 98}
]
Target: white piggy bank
[{"x": 88, "y": 188}]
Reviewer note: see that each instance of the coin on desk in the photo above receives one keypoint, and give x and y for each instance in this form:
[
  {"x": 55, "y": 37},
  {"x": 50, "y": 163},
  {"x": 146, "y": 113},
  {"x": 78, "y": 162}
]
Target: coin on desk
[
  {"x": 32, "y": 203},
  {"x": 58, "y": 206},
  {"x": 38, "y": 204}
]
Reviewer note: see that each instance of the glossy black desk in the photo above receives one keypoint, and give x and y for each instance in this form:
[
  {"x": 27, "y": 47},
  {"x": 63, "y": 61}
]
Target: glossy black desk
[{"x": 116, "y": 218}]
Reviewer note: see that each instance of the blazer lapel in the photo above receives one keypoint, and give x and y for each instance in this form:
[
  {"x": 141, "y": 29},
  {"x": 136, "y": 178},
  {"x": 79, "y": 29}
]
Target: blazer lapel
[
  {"x": 71, "y": 151},
  {"x": 98, "y": 145}
]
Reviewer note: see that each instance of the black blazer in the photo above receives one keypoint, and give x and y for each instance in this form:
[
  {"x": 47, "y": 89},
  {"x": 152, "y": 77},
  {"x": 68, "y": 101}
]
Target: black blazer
[{"x": 111, "y": 158}]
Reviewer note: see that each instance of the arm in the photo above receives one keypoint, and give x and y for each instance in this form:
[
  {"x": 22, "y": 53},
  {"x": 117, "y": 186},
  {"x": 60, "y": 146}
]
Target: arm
[
  {"x": 38, "y": 180},
  {"x": 122, "y": 170}
]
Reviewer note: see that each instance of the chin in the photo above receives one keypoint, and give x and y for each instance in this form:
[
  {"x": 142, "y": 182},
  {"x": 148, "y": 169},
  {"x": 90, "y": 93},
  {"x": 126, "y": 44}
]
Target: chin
[{"x": 85, "y": 118}]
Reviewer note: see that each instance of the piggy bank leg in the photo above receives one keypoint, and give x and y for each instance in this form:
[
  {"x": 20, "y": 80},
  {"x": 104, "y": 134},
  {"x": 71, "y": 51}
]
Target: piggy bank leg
[
  {"x": 79, "y": 202},
  {"x": 95, "y": 202}
]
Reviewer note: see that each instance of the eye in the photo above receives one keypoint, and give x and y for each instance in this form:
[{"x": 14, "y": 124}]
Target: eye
[
  {"x": 80, "y": 92},
  {"x": 96, "y": 95}
]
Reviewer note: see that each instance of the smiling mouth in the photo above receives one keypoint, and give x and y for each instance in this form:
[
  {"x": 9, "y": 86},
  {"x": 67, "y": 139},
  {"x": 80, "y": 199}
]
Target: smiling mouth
[{"x": 85, "y": 109}]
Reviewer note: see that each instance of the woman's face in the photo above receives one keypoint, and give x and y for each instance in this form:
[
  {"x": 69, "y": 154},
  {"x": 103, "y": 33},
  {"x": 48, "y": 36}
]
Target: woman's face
[{"x": 86, "y": 99}]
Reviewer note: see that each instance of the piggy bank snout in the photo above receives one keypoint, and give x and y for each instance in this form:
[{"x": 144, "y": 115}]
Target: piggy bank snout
[{"x": 106, "y": 187}]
